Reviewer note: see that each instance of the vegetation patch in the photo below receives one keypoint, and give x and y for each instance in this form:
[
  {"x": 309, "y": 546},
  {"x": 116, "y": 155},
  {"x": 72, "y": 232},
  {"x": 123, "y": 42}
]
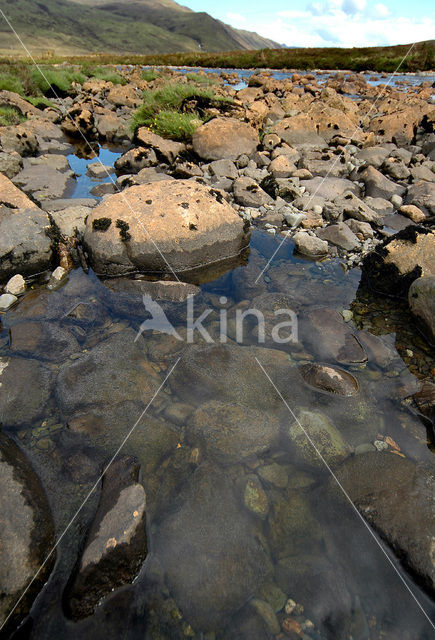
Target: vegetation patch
[
  {"x": 123, "y": 230},
  {"x": 101, "y": 224},
  {"x": 102, "y": 73},
  {"x": 166, "y": 112},
  {"x": 9, "y": 116}
]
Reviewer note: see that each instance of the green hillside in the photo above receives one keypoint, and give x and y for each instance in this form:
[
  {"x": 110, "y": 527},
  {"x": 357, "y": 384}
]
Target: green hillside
[{"x": 159, "y": 26}]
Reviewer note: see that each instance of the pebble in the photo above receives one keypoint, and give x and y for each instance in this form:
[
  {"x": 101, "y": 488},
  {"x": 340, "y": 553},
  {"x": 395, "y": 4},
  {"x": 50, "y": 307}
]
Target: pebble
[
  {"x": 347, "y": 315},
  {"x": 380, "y": 445},
  {"x": 6, "y": 301},
  {"x": 396, "y": 200},
  {"x": 16, "y": 285},
  {"x": 56, "y": 277}
]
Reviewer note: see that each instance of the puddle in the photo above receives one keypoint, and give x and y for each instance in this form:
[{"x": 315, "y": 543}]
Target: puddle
[
  {"x": 235, "y": 509},
  {"x": 84, "y": 183}
]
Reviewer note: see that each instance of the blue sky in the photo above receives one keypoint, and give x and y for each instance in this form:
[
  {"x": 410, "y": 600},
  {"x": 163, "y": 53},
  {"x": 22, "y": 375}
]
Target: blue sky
[{"x": 319, "y": 23}]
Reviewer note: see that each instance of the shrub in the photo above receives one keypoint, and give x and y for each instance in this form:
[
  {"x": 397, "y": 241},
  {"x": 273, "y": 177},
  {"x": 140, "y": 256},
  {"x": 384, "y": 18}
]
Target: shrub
[
  {"x": 56, "y": 80},
  {"x": 9, "y": 82}
]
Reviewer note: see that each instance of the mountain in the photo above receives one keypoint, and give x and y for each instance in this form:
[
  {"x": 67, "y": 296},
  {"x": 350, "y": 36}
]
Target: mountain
[{"x": 142, "y": 26}]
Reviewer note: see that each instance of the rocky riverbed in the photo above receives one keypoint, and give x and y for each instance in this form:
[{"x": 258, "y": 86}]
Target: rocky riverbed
[{"x": 235, "y": 479}]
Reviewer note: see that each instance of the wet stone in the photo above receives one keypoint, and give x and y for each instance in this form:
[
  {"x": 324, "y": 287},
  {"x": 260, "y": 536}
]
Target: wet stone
[
  {"x": 42, "y": 340},
  {"x": 329, "y": 378}
]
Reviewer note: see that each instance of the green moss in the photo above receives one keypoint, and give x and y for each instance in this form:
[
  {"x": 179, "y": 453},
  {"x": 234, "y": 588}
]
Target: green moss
[
  {"x": 123, "y": 230},
  {"x": 101, "y": 224}
]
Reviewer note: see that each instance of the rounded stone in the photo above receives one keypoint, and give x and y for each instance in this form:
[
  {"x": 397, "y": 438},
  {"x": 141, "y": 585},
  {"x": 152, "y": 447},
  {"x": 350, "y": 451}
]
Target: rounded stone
[
  {"x": 168, "y": 226},
  {"x": 224, "y": 138}
]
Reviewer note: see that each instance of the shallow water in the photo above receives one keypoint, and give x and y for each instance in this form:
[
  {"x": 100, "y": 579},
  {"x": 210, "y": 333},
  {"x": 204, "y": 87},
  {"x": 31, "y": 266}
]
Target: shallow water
[
  {"x": 213, "y": 543},
  {"x": 84, "y": 182},
  {"x": 373, "y": 79}
]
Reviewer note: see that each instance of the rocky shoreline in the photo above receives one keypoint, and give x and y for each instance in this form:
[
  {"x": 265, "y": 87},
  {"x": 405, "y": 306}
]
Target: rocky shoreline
[{"x": 217, "y": 520}]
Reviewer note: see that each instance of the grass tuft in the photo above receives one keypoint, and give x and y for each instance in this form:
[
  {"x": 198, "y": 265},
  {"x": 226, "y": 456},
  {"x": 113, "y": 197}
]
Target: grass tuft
[
  {"x": 9, "y": 116},
  {"x": 199, "y": 78},
  {"x": 103, "y": 73}
]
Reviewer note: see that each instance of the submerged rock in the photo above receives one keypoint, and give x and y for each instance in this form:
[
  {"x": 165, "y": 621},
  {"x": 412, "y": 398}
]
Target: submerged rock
[
  {"x": 176, "y": 225},
  {"x": 327, "y": 335},
  {"x": 329, "y": 378},
  {"x": 26, "y": 533},
  {"x": 396, "y": 496},
  {"x": 312, "y": 434},
  {"x": 116, "y": 544},
  {"x": 211, "y": 554}
]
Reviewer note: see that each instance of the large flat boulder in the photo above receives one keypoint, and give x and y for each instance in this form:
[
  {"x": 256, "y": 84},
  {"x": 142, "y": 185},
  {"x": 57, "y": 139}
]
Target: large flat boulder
[
  {"x": 173, "y": 225},
  {"x": 224, "y": 138},
  {"x": 26, "y": 533}
]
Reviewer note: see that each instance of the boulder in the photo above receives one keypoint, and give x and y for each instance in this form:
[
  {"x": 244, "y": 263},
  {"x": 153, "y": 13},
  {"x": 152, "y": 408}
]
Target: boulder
[
  {"x": 394, "y": 265},
  {"x": 231, "y": 432},
  {"x": 25, "y": 391},
  {"x": 116, "y": 543},
  {"x": 421, "y": 299},
  {"x": 11, "y": 99},
  {"x": 211, "y": 554},
  {"x": 325, "y": 437},
  {"x": 309, "y": 245},
  {"x": 123, "y": 96},
  {"x": 401, "y": 124},
  {"x": 27, "y": 535},
  {"x": 171, "y": 226},
  {"x": 396, "y": 496},
  {"x": 330, "y": 188},
  {"x": 133, "y": 160},
  {"x": 111, "y": 127},
  {"x": 43, "y": 181},
  {"x": 224, "y": 138},
  {"x": 422, "y": 195},
  {"x": 71, "y": 219},
  {"x": 166, "y": 150},
  {"x": 378, "y": 186},
  {"x": 42, "y": 340},
  {"x": 18, "y": 138},
  {"x": 249, "y": 194},
  {"x": 11, "y": 163},
  {"x": 327, "y": 335},
  {"x": 24, "y": 244},
  {"x": 340, "y": 235}
]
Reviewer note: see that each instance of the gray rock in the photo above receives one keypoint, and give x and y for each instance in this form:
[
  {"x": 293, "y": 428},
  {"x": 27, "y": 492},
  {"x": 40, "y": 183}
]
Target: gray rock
[
  {"x": 158, "y": 290},
  {"x": 99, "y": 170},
  {"x": 422, "y": 195},
  {"x": 421, "y": 299},
  {"x": 11, "y": 163},
  {"x": 42, "y": 340},
  {"x": 101, "y": 190},
  {"x": 423, "y": 173},
  {"x": 325, "y": 436},
  {"x": 149, "y": 175},
  {"x": 378, "y": 186},
  {"x": 330, "y": 188},
  {"x": 116, "y": 543},
  {"x": 373, "y": 156},
  {"x": 325, "y": 332},
  {"x": 203, "y": 526},
  {"x": 309, "y": 245},
  {"x": 396, "y": 169},
  {"x": 362, "y": 228},
  {"x": 379, "y": 205},
  {"x": 43, "y": 181},
  {"x": 7, "y": 300},
  {"x": 134, "y": 160},
  {"x": 340, "y": 235},
  {"x": 26, "y": 388},
  {"x": 24, "y": 244},
  {"x": 230, "y": 432},
  {"x": 64, "y": 203},
  {"x": 71, "y": 219},
  {"x": 223, "y": 169},
  {"x": 26, "y": 532},
  {"x": 396, "y": 496},
  {"x": 17, "y": 138},
  {"x": 249, "y": 194}
]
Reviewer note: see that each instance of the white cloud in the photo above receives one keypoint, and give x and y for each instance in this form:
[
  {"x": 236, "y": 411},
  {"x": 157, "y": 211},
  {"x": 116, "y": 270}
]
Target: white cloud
[
  {"x": 353, "y": 6},
  {"x": 236, "y": 18},
  {"x": 382, "y": 11},
  {"x": 347, "y": 23}
]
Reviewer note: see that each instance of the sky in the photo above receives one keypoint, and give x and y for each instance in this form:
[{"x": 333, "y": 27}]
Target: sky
[{"x": 327, "y": 23}]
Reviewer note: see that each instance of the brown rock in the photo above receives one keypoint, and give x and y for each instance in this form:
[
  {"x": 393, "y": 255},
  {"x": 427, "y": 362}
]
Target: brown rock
[
  {"x": 123, "y": 96},
  {"x": 175, "y": 225},
  {"x": 224, "y": 138},
  {"x": 413, "y": 213},
  {"x": 166, "y": 149}
]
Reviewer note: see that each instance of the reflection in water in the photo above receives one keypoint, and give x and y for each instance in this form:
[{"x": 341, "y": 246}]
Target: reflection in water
[{"x": 242, "y": 516}]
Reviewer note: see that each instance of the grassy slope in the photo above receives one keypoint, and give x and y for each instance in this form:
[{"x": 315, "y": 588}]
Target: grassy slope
[{"x": 138, "y": 27}]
